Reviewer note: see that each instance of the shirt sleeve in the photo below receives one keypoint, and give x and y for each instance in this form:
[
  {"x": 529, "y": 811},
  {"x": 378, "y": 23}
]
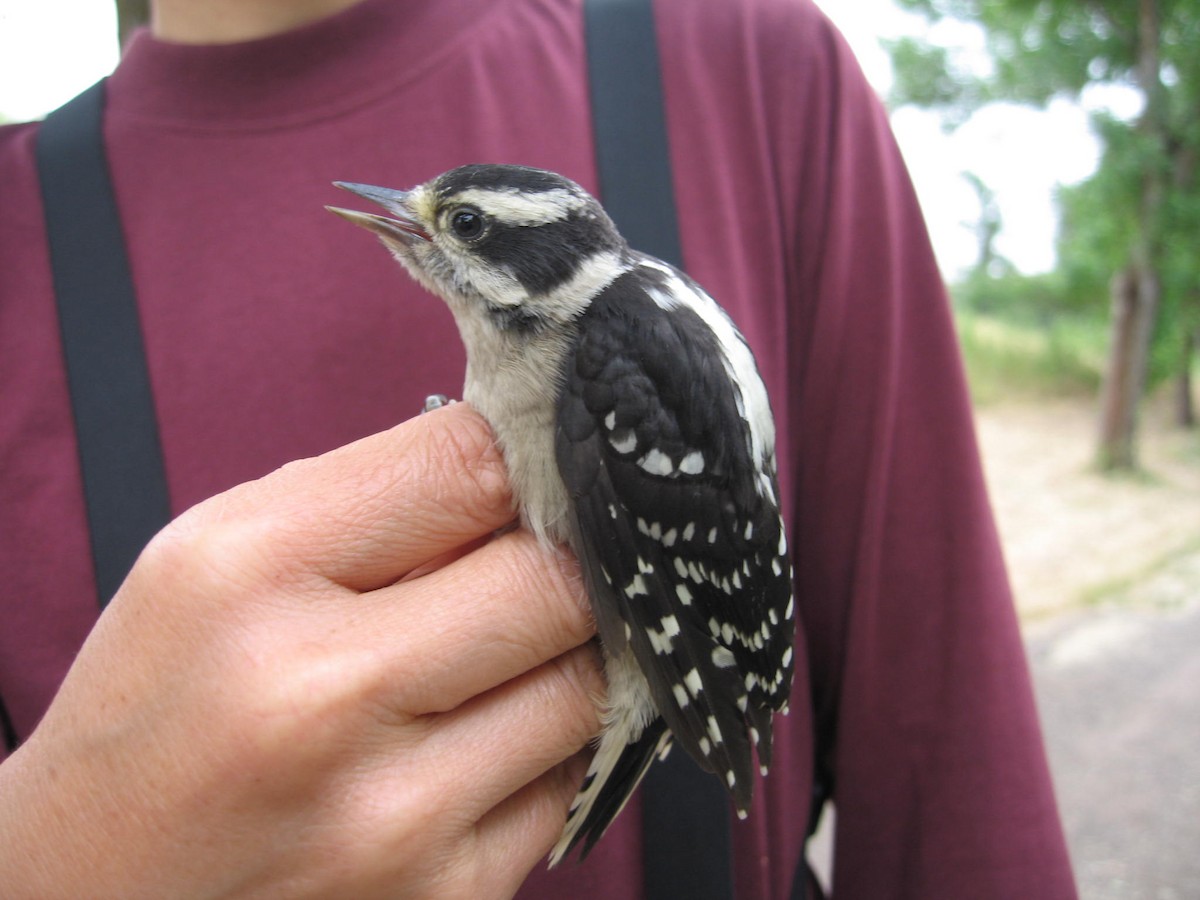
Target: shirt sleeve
[{"x": 927, "y": 732}]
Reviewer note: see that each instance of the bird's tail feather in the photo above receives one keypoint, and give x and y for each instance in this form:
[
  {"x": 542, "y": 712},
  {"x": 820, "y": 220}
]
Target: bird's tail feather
[{"x": 616, "y": 770}]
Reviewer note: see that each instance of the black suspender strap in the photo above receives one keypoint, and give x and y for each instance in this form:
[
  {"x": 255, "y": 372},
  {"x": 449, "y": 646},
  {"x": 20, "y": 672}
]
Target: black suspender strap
[
  {"x": 124, "y": 482},
  {"x": 685, "y": 811}
]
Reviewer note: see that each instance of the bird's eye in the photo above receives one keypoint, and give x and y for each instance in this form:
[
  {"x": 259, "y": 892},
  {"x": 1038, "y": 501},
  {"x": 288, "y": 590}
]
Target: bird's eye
[{"x": 467, "y": 223}]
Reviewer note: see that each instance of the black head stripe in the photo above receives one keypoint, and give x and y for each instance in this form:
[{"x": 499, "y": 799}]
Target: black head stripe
[
  {"x": 520, "y": 179},
  {"x": 543, "y": 257}
]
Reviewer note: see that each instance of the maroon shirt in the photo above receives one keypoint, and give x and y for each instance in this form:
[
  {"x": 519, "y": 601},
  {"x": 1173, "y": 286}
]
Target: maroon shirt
[{"x": 274, "y": 331}]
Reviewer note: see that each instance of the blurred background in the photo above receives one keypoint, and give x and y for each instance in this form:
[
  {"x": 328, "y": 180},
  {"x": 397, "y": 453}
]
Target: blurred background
[{"x": 1054, "y": 145}]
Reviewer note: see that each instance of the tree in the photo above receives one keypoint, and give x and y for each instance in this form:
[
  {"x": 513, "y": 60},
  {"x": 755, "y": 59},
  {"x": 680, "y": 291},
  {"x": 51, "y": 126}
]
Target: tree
[
  {"x": 1146, "y": 188},
  {"x": 130, "y": 15},
  {"x": 987, "y": 228}
]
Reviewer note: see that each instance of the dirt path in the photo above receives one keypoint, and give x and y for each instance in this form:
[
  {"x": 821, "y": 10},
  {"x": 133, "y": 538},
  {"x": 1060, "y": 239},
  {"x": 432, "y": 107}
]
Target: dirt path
[
  {"x": 1073, "y": 537},
  {"x": 1107, "y": 577}
]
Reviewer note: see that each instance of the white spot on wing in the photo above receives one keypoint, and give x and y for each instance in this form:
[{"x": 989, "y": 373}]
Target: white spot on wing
[
  {"x": 659, "y": 641},
  {"x": 684, "y": 594},
  {"x": 657, "y": 463},
  {"x": 738, "y": 361},
  {"x": 623, "y": 441},
  {"x": 692, "y": 464},
  {"x": 723, "y": 657},
  {"x": 714, "y": 730},
  {"x": 694, "y": 685}
]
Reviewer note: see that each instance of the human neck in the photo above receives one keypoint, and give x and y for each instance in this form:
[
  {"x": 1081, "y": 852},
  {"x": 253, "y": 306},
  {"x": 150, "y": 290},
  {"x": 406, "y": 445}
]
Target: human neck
[{"x": 231, "y": 21}]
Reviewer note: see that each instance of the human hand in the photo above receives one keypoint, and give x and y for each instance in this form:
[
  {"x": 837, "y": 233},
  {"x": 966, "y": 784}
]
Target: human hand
[{"x": 328, "y": 682}]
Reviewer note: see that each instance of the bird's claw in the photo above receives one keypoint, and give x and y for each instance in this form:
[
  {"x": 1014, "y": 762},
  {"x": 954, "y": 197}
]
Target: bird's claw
[{"x": 435, "y": 401}]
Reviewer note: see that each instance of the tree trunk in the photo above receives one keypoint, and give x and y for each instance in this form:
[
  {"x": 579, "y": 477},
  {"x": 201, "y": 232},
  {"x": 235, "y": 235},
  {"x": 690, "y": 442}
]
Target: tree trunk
[
  {"x": 1135, "y": 289},
  {"x": 1134, "y": 304},
  {"x": 130, "y": 15},
  {"x": 1185, "y": 404}
]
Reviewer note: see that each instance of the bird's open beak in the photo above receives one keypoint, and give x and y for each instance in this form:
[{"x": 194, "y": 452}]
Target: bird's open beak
[{"x": 399, "y": 226}]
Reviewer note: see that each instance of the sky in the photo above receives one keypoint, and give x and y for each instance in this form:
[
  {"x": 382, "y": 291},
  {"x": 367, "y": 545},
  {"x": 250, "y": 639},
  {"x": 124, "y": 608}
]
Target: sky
[{"x": 52, "y": 49}]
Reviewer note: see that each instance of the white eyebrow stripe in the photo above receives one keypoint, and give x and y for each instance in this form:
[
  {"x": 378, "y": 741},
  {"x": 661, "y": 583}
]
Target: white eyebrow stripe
[{"x": 520, "y": 209}]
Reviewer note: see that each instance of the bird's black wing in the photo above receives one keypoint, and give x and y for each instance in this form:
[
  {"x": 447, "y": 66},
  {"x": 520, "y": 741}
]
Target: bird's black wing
[{"x": 678, "y": 532}]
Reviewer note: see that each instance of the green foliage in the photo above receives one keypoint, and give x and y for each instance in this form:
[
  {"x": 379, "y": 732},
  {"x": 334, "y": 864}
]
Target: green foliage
[
  {"x": 1025, "y": 335},
  {"x": 1142, "y": 206},
  {"x": 1098, "y": 217},
  {"x": 1027, "y": 300},
  {"x": 1008, "y": 358},
  {"x": 928, "y": 75},
  {"x": 1099, "y": 226},
  {"x": 1040, "y": 49}
]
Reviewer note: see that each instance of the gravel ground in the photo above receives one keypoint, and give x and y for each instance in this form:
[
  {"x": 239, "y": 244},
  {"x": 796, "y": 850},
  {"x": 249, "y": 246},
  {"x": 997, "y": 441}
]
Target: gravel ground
[
  {"x": 1107, "y": 580},
  {"x": 1072, "y": 536},
  {"x": 1106, "y": 575}
]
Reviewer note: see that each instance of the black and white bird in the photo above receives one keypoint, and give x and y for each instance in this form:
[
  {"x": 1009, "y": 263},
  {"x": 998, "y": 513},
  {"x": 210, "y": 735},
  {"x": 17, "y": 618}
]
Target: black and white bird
[{"x": 637, "y": 430}]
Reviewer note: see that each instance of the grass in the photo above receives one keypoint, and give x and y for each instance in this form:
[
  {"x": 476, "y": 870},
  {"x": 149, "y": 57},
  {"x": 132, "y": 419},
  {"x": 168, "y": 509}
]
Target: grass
[
  {"x": 1006, "y": 357},
  {"x": 1123, "y": 586}
]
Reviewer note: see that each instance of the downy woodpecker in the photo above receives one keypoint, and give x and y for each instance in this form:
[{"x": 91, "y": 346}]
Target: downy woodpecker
[{"x": 636, "y": 429}]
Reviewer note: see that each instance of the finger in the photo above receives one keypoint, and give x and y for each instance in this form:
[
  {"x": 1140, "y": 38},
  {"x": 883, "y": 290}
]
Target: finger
[
  {"x": 514, "y": 734},
  {"x": 517, "y": 835},
  {"x": 473, "y": 624},
  {"x": 367, "y": 513},
  {"x": 446, "y": 558}
]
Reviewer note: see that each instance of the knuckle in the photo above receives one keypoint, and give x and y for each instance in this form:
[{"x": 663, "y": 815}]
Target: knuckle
[
  {"x": 464, "y": 455},
  {"x": 575, "y": 685},
  {"x": 215, "y": 554},
  {"x": 549, "y": 578},
  {"x": 303, "y": 705},
  {"x": 211, "y": 558}
]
